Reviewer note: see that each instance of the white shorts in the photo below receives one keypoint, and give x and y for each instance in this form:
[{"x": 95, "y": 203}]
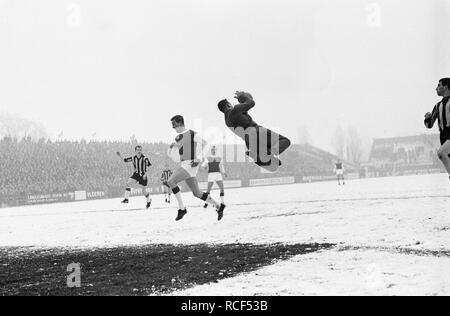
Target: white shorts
[
  {"x": 186, "y": 165},
  {"x": 215, "y": 176},
  {"x": 339, "y": 172}
]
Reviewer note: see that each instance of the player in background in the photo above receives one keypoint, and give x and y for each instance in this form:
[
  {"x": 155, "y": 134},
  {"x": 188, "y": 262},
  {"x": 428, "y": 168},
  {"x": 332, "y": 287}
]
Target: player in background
[
  {"x": 216, "y": 172},
  {"x": 263, "y": 145},
  {"x": 190, "y": 149},
  {"x": 339, "y": 170},
  {"x": 165, "y": 176},
  {"x": 141, "y": 164},
  {"x": 441, "y": 113}
]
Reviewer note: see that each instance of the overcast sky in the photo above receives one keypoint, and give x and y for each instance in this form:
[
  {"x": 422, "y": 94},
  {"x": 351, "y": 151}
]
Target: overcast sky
[{"x": 122, "y": 68}]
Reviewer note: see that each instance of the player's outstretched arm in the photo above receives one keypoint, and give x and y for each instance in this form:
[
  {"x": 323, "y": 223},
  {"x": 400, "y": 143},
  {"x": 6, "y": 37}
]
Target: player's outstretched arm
[
  {"x": 430, "y": 118},
  {"x": 245, "y": 99},
  {"x": 130, "y": 159}
]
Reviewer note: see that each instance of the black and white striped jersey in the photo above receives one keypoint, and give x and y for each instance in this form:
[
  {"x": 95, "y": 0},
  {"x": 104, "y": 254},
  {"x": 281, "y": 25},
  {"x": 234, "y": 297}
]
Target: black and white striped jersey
[
  {"x": 166, "y": 174},
  {"x": 140, "y": 164},
  {"x": 441, "y": 113}
]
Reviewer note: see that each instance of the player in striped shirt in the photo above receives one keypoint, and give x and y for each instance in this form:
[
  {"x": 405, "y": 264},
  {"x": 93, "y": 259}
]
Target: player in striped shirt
[
  {"x": 165, "y": 176},
  {"x": 441, "y": 113},
  {"x": 141, "y": 164},
  {"x": 189, "y": 149},
  {"x": 216, "y": 171}
]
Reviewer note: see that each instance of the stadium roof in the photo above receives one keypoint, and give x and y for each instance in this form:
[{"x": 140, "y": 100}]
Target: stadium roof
[{"x": 407, "y": 139}]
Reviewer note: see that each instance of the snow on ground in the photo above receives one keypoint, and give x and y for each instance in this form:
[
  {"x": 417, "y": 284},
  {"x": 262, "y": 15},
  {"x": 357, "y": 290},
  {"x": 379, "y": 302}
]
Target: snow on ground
[
  {"x": 371, "y": 220},
  {"x": 338, "y": 273}
]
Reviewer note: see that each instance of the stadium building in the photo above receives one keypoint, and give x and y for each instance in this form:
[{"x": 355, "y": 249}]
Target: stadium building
[{"x": 404, "y": 155}]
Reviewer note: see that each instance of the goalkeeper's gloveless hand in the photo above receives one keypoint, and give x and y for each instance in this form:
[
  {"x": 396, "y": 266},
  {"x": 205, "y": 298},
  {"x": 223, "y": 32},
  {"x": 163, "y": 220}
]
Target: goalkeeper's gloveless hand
[{"x": 195, "y": 163}]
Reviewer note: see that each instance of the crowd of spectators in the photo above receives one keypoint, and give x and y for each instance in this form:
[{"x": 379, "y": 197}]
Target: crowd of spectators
[{"x": 30, "y": 167}]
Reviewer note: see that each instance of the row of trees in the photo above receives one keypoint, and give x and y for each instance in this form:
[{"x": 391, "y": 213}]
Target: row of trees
[
  {"x": 350, "y": 145},
  {"x": 16, "y": 127}
]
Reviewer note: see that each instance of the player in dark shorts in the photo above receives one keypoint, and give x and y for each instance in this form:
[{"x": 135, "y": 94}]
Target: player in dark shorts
[
  {"x": 441, "y": 113},
  {"x": 141, "y": 164},
  {"x": 165, "y": 176},
  {"x": 263, "y": 145}
]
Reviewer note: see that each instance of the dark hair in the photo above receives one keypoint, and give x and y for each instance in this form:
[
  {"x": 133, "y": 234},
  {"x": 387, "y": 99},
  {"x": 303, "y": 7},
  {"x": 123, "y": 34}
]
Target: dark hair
[
  {"x": 223, "y": 105},
  {"x": 178, "y": 119},
  {"x": 138, "y": 146},
  {"x": 445, "y": 82}
]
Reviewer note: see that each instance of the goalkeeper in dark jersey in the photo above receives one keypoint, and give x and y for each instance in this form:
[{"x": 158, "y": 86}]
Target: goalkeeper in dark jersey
[{"x": 263, "y": 145}]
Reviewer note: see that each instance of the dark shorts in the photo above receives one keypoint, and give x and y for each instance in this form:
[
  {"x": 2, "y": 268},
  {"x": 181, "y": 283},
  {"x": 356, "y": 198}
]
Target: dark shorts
[
  {"x": 445, "y": 136},
  {"x": 263, "y": 139},
  {"x": 139, "y": 179}
]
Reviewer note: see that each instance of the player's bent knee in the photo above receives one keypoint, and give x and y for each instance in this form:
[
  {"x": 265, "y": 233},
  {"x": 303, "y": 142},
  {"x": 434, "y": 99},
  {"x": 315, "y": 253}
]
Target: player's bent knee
[
  {"x": 176, "y": 190},
  {"x": 285, "y": 143}
]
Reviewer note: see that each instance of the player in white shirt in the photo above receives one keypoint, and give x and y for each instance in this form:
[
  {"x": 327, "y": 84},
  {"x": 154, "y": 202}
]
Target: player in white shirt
[
  {"x": 189, "y": 147},
  {"x": 216, "y": 172},
  {"x": 339, "y": 170}
]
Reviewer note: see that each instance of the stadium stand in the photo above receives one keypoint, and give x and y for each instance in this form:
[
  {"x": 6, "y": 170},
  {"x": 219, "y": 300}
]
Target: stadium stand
[
  {"x": 404, "y": 155},
  {"x": 44, "y": 167}
]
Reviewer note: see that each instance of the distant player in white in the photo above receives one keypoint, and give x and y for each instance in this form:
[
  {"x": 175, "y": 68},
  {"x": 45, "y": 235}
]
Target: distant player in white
[
  {"x": 189, "y": 148},
  {"x": 339, "y": 170},
  {"x": 216, "y": 172}
]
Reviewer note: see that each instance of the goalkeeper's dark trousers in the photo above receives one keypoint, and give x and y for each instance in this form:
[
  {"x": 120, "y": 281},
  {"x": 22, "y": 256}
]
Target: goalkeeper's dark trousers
[{"x": 263, "y": 141}]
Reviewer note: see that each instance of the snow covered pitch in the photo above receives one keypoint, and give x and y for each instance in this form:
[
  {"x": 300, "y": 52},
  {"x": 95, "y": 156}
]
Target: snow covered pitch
[{"x": 381, "y": 236}]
